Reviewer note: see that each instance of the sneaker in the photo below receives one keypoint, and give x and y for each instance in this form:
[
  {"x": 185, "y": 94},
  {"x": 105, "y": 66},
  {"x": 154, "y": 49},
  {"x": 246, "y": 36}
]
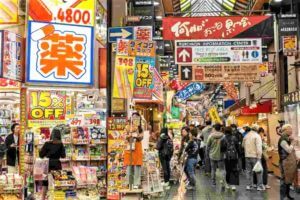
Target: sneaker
[
  {"x": 261, "y": 188},
  {"x": 227, "y": 186},
  {"x": 190, "y": 187},
  {"x": 233, "y": 188},
  {"x": 249, "y": 187},
  {"x": 267, "y": 187},
  {"x": 254, "y": 186}
]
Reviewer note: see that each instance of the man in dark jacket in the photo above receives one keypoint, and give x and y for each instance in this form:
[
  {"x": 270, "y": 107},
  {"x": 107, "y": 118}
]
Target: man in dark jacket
[
  {"x": 12, "y": 145},
  {"x": 165, "y": 151}
]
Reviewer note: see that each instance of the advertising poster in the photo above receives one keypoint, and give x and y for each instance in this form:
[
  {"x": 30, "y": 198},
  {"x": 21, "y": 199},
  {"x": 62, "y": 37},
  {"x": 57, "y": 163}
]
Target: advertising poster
[
  {"x": 136, "y": 48},
  {"x": 59, "y": 53},
  {"x": 158, "y": 85},
  {"x": 46, "y": 106},
  {"x": 123, "y": 77},
  {"x": 12, "y": 56},
  {"x": 116, "y": 172},
  {"x": 180, "y": 28},
  {"x": 289, "y": 44},
  {"x": 231, "y": 90},
  {"x": 143, "y": 77},
  {"x": 218, "y": 51},
  {"x": 214, "y": 115},
  {"x": 9, "y": 11},
  {"x": 224, "y": 73},
  {"x": 143, "y": 33},
  {"x": 78, "y": 12}
]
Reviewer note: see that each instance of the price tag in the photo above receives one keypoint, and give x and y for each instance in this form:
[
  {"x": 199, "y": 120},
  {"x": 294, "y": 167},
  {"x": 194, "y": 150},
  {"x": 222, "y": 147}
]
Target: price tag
[
  {"x": 92, "y": 120},
  {"x": 76, "y": 121}
]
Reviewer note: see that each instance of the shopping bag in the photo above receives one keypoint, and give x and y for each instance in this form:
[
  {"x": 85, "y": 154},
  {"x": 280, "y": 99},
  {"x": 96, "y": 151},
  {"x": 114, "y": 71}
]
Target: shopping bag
[{"x": 257, "y": 167}]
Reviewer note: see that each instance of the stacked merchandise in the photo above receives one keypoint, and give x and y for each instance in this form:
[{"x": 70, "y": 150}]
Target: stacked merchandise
[
  {"x": 151, "y": 173},
  {"x": 62, "y": 185},
  {"x": 11, "y": 187}
]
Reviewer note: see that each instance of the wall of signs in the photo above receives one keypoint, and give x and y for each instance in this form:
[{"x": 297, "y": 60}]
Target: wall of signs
[{"x": 60, "y": 41}]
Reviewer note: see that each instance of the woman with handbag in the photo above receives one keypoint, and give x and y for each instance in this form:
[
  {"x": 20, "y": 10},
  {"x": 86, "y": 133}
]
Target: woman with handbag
[
  {"x": 287, "y": 161},
  {"x": 133, "y": 155}
]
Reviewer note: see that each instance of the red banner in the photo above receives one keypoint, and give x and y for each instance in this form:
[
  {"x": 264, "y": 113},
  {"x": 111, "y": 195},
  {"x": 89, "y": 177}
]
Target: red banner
[
  {"x": 180, "y": 28},
  {"x": 264, "y": 107}
]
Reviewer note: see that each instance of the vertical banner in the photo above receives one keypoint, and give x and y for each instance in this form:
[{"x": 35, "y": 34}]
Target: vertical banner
[
  {"x": 123, "y": 77},
  {"x": 214, "y": 115},
  {"x": 9, "y": 11},
  {"x": 158, "y": 86},
  {"x": 116, "y": 172},
  {"x": 143, "y": 77},
  {"x": 289, "y": 45},
  {"x": 12, "y": 56},
  {"x": 23, "y": 121}
]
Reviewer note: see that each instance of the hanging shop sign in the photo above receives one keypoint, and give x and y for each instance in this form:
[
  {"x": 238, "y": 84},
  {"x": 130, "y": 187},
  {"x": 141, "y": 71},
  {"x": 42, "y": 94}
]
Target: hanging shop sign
[
  {"x": 292, "y": 98},
  {"x": 263, "y": 69},
  {"x": 288, "y": 24},
  {"x": 289, "y": 45},
  {"x": 219, "y": 73},
  {"x": 214, "y": 115},
  {"x": 190, "y": 90},
  {"x": 231, "y": 90},
  {"x": 123, "y": 77},
  {"x": 264, "y": 107},
  {"x": 143, "y": 33},
  {"x": 158, "y": 85},
  {"x": 59, "y": 53},
  {"x": 143, "y": 2},
  {"x": 218, "y": 51},
  {"x": 136, "y": 48},
  {"x": 9, "y": 11},
  {"x": 180, "y": 28},
  {"x": 160, "y": 47},
  {"x": 76, "y": 12},
  {"x": 115, "y": 33},
  {"x": 143, "y": 78},
  {"x": 46, "y": 107},
  {"x": 116, "y": 175},
  {"x": 118, "y": 105},
  {"x": 146, "y": 15},
  {"x": 11, "y": 55}
]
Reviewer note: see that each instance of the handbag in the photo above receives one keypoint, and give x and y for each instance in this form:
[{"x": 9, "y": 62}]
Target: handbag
[{"x": 257, "y": 167}]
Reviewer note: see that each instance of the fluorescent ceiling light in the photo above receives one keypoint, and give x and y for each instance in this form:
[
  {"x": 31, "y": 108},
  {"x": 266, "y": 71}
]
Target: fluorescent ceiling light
[
  {"x": 278, "y": 0},
  {"x": 156, "y": 3}
]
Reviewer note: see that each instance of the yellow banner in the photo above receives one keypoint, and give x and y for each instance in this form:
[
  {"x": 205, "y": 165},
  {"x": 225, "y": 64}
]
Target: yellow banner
[
  {"x": 123, "y": 77},
  {"x": 9, "y": 11},
  {"x": 214, "y": 115}
]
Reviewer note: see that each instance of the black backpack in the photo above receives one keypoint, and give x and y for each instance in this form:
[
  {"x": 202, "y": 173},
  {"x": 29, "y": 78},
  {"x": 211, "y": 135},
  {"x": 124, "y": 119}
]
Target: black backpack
[
  {"x": 168, "y": 148},
  {"x": 231, "y": 151}
]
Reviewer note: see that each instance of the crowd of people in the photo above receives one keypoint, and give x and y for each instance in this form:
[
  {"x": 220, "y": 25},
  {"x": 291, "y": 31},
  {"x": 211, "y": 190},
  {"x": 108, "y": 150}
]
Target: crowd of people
[{"x": 230, "y": 150}]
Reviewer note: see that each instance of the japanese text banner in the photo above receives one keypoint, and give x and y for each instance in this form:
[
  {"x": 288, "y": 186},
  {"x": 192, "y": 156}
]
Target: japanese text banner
[
  {"x": 79, "y": 12},
  {"x": 143, "y": 77},
  {"x": 60, "y": 53},
  {"x": 179, "y": 28},
  {"x": 123, "y": 77}
]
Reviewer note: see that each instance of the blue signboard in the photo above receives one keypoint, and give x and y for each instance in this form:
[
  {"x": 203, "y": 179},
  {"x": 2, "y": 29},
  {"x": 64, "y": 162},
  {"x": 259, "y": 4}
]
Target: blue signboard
[
  {"x": 115, "y": 33},
  {"x": 190, "y": 90}
]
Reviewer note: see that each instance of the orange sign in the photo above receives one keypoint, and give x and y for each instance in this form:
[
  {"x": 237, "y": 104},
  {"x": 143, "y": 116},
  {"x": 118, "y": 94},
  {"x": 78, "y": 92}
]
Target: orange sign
[{"x": 136, "y": 48}]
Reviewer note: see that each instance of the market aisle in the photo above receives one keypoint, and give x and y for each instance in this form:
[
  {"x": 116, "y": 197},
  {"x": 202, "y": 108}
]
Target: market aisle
[{"x": 205, "y": 191}]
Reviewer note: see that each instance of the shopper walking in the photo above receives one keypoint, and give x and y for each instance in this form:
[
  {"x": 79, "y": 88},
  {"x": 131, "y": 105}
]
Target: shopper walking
[
  {"x": 192, "y": 151},
  {"x": 264, "y": 159},
  {"x": 165, "y": 149},
  {"x": 12, "y": 146},
  {"x": 133, "y": 155},
  {"x": 205, "y": 134},
  {"x": 286, "y": 164},
  {"x": 230, "y": 149},
  {"x": 184, "y": 140},
  {"x": 54, "y": 150},
  {"x": 252, "y": 144},
  {"x": 214, "y": 150}
]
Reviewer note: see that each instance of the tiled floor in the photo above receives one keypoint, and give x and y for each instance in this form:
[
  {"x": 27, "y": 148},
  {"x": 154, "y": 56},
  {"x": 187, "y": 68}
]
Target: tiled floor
[{"x": 205, "y": 191}]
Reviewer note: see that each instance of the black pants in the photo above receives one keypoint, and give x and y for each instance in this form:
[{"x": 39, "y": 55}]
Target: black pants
[
  {"x": 202, "y": 156},
  {"x": 284, "y": 187},
  {"x": 232, "y": 172},
  {"x": 165, "y": 163},
  {"x": 265, "y": 172}
]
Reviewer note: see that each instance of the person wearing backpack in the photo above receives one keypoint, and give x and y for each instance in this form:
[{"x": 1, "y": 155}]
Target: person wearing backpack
[
  {"x": 230, "y": 150},
  {"x": 165, "y": 151}
]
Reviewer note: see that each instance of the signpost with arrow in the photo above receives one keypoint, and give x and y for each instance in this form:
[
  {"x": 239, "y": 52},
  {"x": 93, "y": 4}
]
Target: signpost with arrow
[
  {"x": 186, "y": 73},
  {"x": 115, "y": 33}
]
